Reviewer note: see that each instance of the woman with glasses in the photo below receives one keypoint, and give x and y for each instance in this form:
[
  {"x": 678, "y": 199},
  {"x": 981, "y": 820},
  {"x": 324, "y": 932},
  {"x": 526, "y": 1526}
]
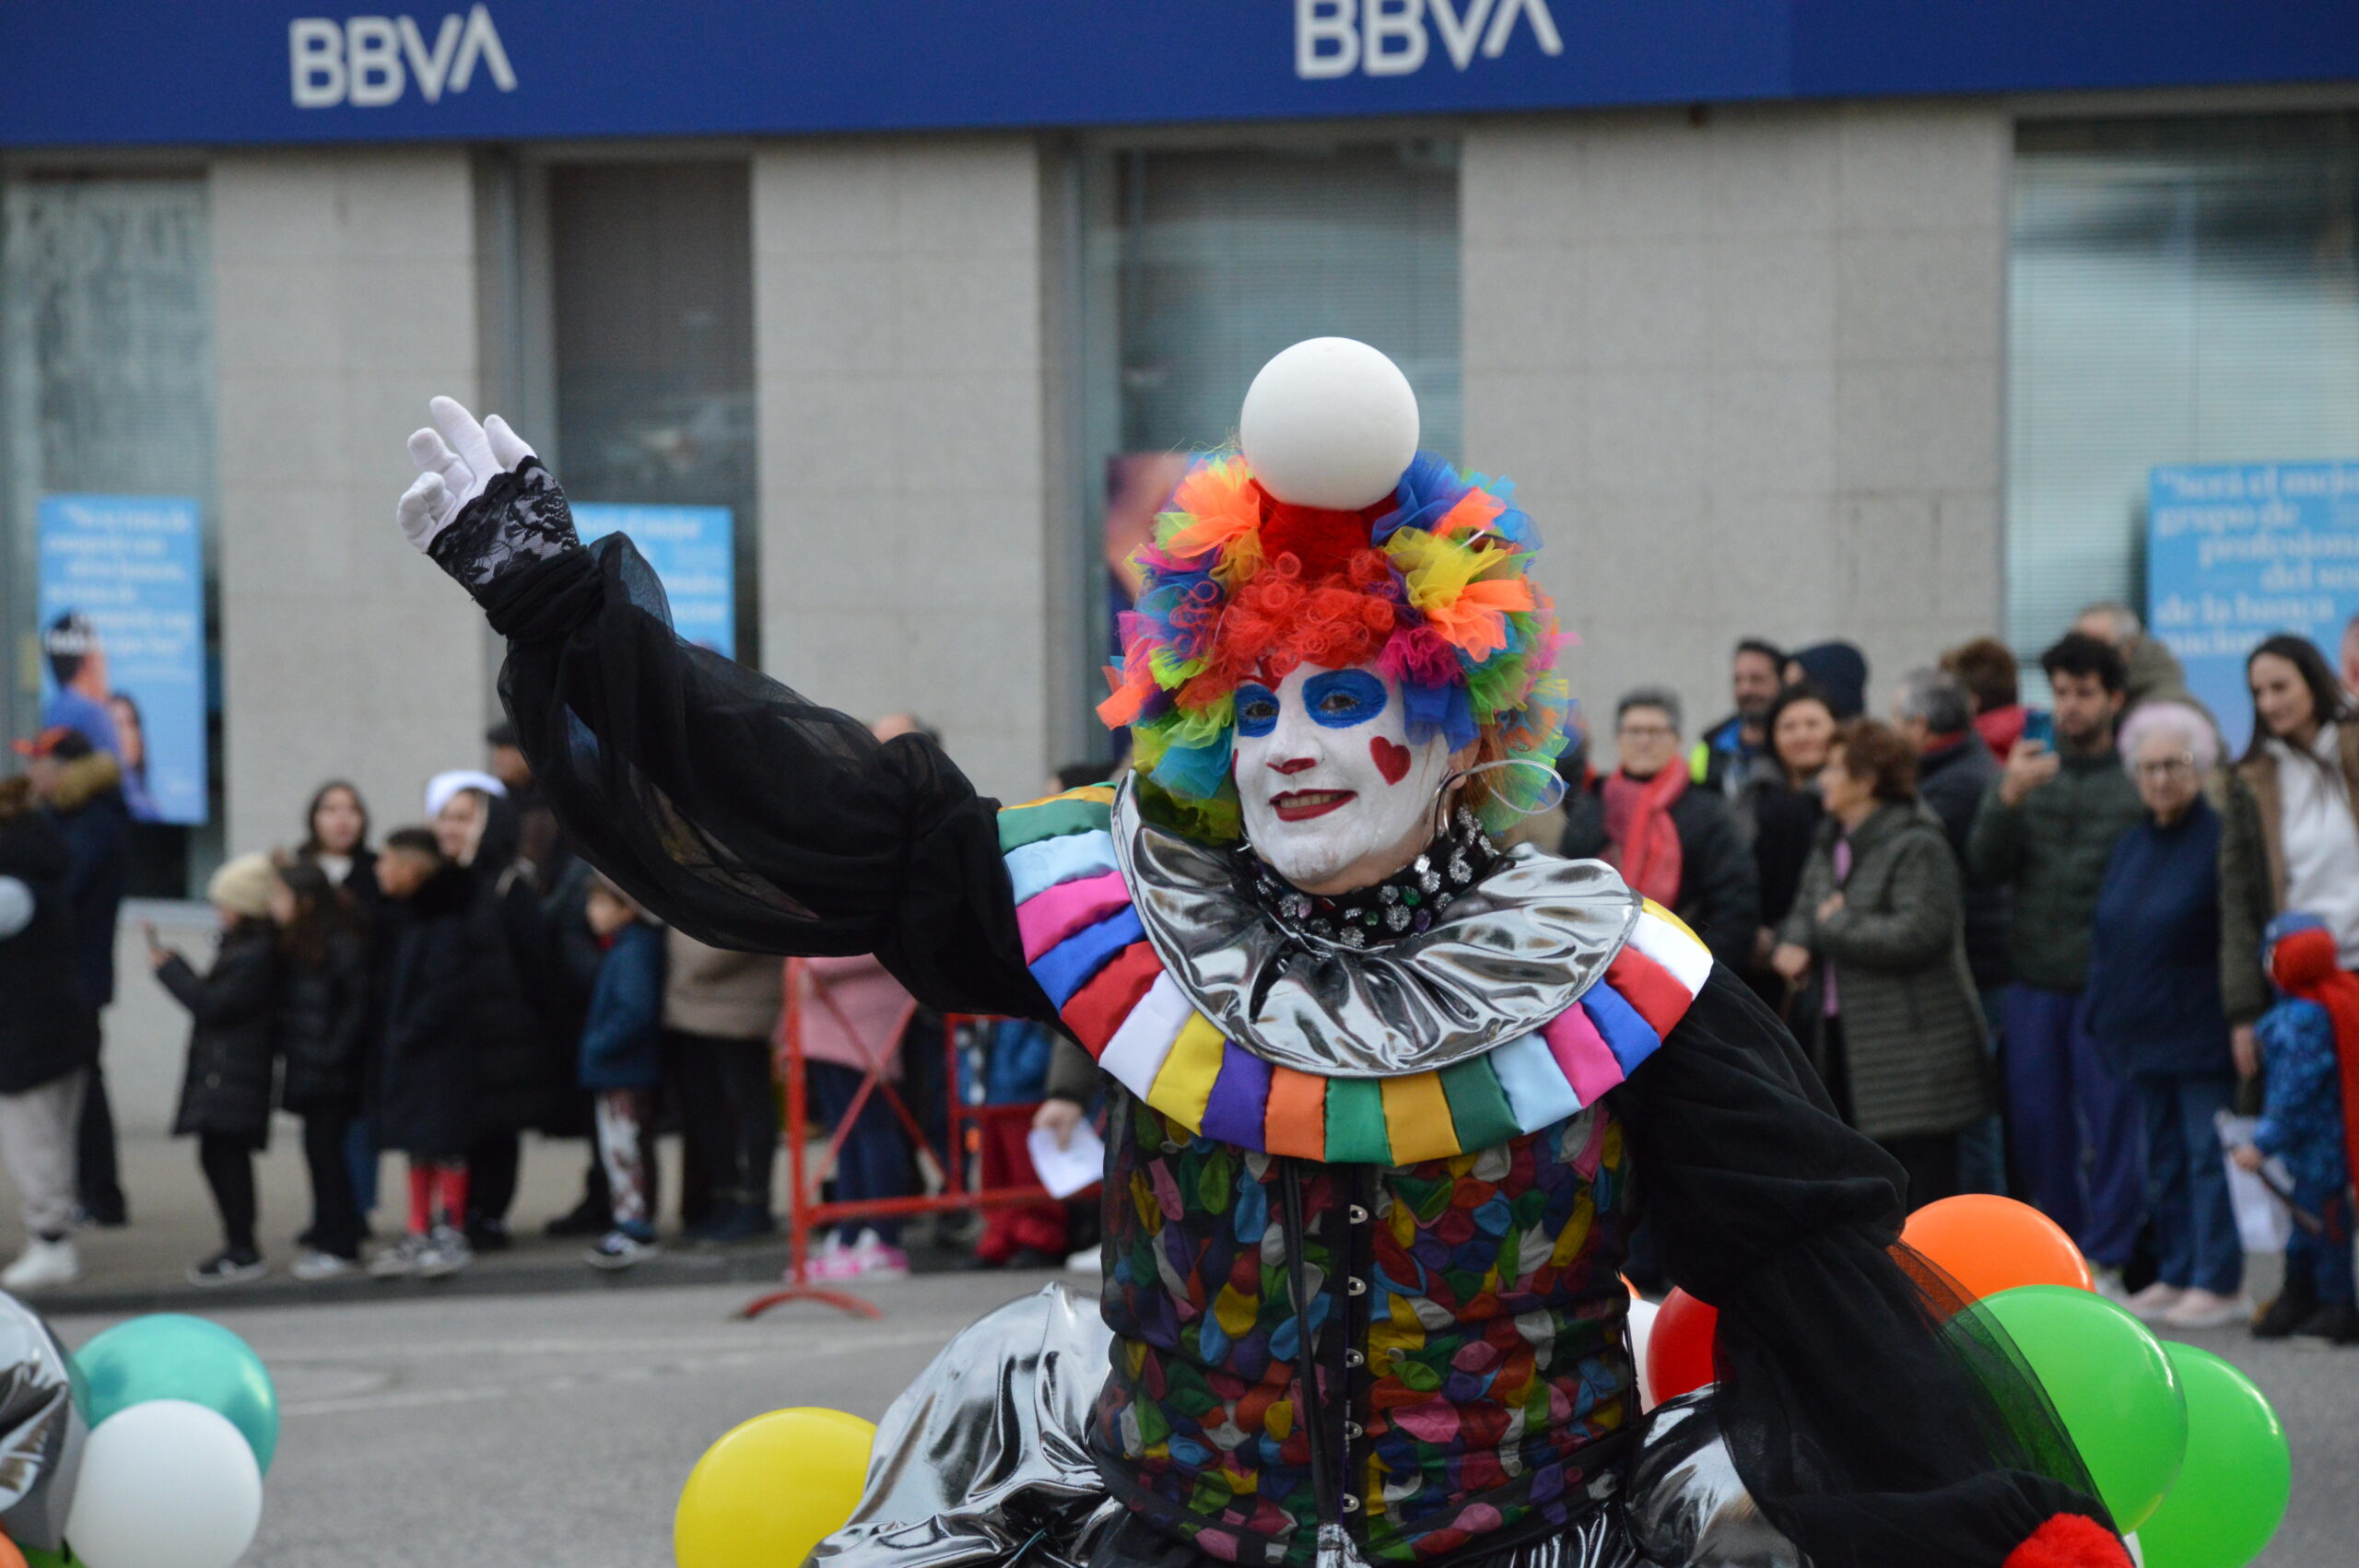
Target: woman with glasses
[{"x": 2154, "y": 1009}]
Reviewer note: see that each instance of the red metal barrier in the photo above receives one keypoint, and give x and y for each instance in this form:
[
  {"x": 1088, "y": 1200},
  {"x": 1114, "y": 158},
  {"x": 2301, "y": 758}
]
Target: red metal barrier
[{"x": 961, "y": 1189}]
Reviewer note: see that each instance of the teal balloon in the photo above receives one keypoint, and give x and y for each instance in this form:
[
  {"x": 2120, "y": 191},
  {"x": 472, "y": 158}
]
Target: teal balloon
[
  {"x": 2231, "y": 1492},
  {"x": 2112, "y": 1386},
  {"x": 171, "y": 1356}
]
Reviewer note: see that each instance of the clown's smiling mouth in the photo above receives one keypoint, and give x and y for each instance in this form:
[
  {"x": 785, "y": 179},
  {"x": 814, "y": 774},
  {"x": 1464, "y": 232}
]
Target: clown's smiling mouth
[{"x": 1301, "y": 805}]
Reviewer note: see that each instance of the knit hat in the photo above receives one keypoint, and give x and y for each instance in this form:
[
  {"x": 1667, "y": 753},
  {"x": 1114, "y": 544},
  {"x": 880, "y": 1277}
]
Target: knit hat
[{"x": 242, "y": 886}]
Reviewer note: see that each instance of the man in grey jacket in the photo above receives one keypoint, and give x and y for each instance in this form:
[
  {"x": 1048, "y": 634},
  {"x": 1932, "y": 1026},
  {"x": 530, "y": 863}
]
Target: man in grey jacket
[{"x": 2046, "y": 830}]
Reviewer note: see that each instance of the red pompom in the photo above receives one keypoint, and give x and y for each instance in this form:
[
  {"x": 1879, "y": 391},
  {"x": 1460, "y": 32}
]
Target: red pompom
[{"x": 2070, "y": 1540}]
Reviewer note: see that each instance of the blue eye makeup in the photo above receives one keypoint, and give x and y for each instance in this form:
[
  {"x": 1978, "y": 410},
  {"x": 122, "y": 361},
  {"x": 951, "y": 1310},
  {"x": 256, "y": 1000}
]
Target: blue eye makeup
[
  {"x": 1256, "y": 711},
  {"x": 1340, "y": 698}
]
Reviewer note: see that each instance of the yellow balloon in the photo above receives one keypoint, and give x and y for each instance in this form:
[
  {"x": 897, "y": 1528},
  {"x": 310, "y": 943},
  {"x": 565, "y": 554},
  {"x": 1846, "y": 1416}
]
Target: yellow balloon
[{"x": 771, "y": 1489}]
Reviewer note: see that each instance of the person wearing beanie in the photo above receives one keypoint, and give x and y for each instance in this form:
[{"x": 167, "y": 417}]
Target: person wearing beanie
[
  {"x": 1384, "y": 1098},
  {"x": 226, "y": 1088},
  {"x": 1840, "y": 670}
]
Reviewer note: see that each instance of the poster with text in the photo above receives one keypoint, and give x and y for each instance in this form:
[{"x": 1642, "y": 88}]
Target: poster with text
[
  {"x": 123, "y": 640},
  {"x": 692, "y": 551},
  {"x": 2237, "y": 552}
]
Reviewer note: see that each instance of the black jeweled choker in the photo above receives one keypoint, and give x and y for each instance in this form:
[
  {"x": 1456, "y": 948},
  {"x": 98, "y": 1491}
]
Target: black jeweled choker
[{"x": 1408, "y": 901}]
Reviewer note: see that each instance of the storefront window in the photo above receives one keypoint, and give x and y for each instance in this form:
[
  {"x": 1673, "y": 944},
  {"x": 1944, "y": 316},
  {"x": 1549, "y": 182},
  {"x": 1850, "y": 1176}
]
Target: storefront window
[
  {"x": 1200, "y": 264},
  {"x": 2182, "y": 291},
  {"x": 107, "y": 495},
  {"x": 652, "y": 280}
]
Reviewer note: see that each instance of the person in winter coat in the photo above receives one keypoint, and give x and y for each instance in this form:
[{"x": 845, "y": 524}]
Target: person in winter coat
[
  {"x": 81, "y": 786},
  {"x": 1781, "y": 814},
  {"x": 424, "y": 1100},
  {"x": 49, "y": 1035},
  {"x": 335, "y": 838},
  {"x": 2153, "y": 1009},
  {"x": 851, "y": 1015},
  {"x": 2305, "y": 1038},
  {"x": 1840, "y": 670},
  {"x": 1733, "y": 753},
  {"x": 232, "y": 1046},
  {"x": 720, "y": 1011},
  {"x": 1677, "y": 845},
  {"x": 324, "y": 1017},
  {"x": 1987, "y": 668},
  {"x": 513, "y": 980},
  {"x": 2151, "y": 671},
  {"x": 1955, "y": 768},
  {"x": 1881, "y": 921},
  {"x": 2046, "y": 832},
  {"x": 622, "y": 1064},
  {"x": 2291, "y": 837}
]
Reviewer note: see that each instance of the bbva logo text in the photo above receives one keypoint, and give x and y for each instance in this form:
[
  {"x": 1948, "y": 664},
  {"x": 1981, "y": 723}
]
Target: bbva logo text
[
  {"x": 1393, "y": 38},
  {"x": 369, "y": 61}
]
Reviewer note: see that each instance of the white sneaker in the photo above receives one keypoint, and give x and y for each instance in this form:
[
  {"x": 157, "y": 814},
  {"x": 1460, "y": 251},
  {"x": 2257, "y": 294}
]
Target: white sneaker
[
  {"x": 400, "y": 1261},
  {"x": 874, "y": 1259},
  {"x": 2107, "y": 1282},
  {"x": 2205, "y": 1309},
  {"x": 314, "y": 1266},
  {"x": 446, "y": 1252},
  {"x": 2150, "y": 1305},
  {"x": 1088, "y": 1261},
  {"x": 43, "y": 1264}
]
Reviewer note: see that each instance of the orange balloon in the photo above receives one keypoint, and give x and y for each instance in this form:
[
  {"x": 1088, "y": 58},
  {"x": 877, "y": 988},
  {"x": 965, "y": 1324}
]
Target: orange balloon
[
  {"x": 1988, "y": 1245},
  {"x": 9, "y": 1556}
]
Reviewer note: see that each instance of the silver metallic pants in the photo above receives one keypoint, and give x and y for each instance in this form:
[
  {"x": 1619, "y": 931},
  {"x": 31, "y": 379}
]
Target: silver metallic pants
[{"x": 984, "y": 1459}]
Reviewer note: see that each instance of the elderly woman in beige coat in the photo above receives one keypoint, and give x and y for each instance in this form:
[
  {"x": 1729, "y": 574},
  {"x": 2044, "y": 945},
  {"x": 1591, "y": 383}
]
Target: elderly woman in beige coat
[
  {"x": 1879, "y": 928},
  {"x": 719, "y": 1010}
]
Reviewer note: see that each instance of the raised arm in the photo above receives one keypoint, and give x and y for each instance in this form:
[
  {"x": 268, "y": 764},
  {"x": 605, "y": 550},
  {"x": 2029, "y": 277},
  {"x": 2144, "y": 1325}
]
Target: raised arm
[{"x": 740, "y": 811}]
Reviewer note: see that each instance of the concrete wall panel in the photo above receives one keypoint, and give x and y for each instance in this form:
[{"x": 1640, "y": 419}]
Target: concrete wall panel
[{"x": 343, "y": 297}]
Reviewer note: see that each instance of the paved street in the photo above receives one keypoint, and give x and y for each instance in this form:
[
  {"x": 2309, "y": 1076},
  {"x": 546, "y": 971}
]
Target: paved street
[{"x": 527, "y": 1431}]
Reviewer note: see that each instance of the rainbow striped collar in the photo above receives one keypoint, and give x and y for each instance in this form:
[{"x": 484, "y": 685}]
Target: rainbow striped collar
[{"x": 1087, "y": 945}]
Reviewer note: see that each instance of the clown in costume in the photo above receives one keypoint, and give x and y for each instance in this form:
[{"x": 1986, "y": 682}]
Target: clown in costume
[{"x": 1386, "y": 1102}]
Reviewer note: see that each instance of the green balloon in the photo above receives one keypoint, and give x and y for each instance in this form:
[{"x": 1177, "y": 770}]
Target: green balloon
[
  {"x": 2111, "y": 1385},
  {"x": 2232, "y": 1491},
  {"x": 170, "y": 1356},
  {"x": 36, "y": 1558}
]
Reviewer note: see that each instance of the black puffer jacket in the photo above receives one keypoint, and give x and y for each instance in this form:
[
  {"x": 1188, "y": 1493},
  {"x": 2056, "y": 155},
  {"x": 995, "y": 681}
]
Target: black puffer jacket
[
  {"x": 48, "y": 1027},
  {"x": 514, "y": 984},
  {"x": 322, "y": 1021},
  {"x": 1952, "y": 781},
  {"x": 232, "y": 1046},
  {"x": 425, "y": 1063},
  {"x": 87, "y": 808}
]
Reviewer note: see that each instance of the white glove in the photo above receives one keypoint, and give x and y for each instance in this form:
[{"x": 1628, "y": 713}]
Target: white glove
[{"x": 456, "y": 460}]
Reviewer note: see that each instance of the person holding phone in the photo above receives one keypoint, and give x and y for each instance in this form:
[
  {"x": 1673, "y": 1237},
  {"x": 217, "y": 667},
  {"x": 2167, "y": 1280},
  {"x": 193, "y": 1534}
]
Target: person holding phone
[{"x": 2047, "y": 830}]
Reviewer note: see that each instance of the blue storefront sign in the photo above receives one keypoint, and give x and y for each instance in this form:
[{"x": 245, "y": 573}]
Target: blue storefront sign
[
  {"x": 693, "y": 553},
  {"x": 97, "y": 72},
  {"x": 2239, "y": 551},
  {"x": 123, "y": 640}
]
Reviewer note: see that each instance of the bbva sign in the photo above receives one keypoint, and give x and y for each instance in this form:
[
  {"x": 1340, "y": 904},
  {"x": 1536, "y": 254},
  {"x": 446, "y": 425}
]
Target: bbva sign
[
  {"x": 369, "y": 61},
  {"x": 1394, "y": 38}
]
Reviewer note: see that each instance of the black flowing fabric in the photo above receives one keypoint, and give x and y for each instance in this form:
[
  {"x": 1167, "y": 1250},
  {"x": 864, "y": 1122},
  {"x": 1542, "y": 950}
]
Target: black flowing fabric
[
  {"x": 1875, "y": 1415},
  {"x": 745, "y": 814}
]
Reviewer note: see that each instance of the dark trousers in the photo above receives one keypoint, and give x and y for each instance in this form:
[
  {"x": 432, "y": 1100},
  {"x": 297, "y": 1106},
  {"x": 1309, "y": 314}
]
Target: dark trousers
[
  {"x": 728, "y": 1116},
  {"x": 228, "y": 1162},
  {"x": 875, "y": 1159},
  {"x": 2078, "y": 1136},
  {"x": 98, "y": 1178},
  {"x": 335, "y": 1213},
  {"x": 2323, "y": 1262},
  {"x": 493, "y": 1162},
  {"x": 2187, "y": 1181}
]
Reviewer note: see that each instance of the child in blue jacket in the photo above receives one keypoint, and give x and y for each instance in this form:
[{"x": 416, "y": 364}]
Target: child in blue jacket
[
  {"x": 621, "y": 1064},
  {"x": 2301, "y": 1124}
]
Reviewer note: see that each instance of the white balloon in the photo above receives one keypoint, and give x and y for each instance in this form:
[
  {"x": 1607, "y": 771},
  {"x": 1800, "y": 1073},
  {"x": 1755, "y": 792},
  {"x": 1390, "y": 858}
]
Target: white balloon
[
  {"x": 165, "y": 1483},
  {"x": 2137, "y": 1552},
  {"x": 1642, "y": 1326},
  {"x": 1330, "y": 423}
]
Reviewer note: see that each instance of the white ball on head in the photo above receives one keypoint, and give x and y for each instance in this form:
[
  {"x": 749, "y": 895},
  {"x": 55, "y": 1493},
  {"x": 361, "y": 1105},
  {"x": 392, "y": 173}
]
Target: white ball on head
[{"x": 1330, "y": 423}]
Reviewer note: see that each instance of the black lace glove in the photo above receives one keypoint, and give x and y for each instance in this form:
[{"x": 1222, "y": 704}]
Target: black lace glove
[{"x": 519, "y": 519}]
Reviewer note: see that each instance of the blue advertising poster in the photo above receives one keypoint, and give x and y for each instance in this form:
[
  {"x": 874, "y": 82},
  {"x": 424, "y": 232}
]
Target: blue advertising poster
[
  {"x": 123, "y": 640},
  {"x": 693, "y": 550},
  {"x": 2239, "y": 551}
]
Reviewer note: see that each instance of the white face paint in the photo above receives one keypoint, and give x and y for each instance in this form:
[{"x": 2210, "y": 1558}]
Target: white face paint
[{"x": 1334, "y": 795}]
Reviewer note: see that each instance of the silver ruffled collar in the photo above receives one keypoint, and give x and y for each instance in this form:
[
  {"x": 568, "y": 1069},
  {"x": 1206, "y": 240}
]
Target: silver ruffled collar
[{"x": 1509, "y": 954}]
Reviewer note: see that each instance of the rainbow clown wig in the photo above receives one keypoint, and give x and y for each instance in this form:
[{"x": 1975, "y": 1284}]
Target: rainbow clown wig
[{"x": 1431, "y": 583}]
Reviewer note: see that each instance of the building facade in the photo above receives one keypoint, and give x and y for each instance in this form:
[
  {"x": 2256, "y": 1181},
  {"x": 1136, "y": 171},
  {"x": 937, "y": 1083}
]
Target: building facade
[{"x": 1781, "y": 329}]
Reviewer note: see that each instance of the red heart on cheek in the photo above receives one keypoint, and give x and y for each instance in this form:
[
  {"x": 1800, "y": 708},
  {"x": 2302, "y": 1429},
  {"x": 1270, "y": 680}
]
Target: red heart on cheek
[{"x": 1392, "y": 759}]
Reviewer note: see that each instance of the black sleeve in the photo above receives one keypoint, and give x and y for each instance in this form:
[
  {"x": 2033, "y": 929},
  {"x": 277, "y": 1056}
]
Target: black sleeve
[
  {"x": 740, "y": 811},
  {"x": 242, "y": 983},
  {"x": 1728, "y": 887},
  {"x": 1875, "y": 1416}
]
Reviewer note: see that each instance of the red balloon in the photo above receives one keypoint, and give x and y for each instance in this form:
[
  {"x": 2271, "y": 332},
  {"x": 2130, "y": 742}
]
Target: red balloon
[{"x": 1679, "y": 1351}]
